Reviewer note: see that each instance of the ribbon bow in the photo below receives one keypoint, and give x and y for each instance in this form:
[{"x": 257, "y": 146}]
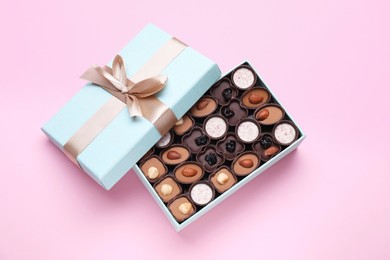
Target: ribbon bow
[{"x": 116, "y": 82}]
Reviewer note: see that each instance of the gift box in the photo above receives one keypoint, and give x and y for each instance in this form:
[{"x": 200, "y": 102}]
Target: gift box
[
  {"x": 234, "y": 132},
  {"x": 114, "y": 120}
]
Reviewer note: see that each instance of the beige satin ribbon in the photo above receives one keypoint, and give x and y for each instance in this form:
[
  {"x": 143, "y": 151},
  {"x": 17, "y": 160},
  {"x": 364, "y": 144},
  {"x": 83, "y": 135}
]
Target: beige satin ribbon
[{"x": 137, "y": 94}]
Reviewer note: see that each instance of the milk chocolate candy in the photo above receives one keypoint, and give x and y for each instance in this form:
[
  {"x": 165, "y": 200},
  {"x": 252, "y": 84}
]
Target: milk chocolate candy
[
  {"x": 245, "y": 163},
  {"x": 175, "y": 154},
  {"x": 204, "y": 107}
]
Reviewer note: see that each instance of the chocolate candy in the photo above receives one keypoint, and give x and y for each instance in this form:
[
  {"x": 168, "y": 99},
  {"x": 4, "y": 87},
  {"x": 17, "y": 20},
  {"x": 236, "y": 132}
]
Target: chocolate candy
[
  {"x": 181, "y": 208},
  {"x": 201, "y": 193},
  {"x": 153, "y": 168},
  {"x": 204, "y": 107},
  {"x": 175, "y": 154},
  {"x": 248, "y": 131},
  {"x": 165, "y": 141},
  {"x": 183, "y": 125},
  {"x": 245, "y": 164},
  {"x": 210, "y": 158},
  {"x": 234, "y": 112},
  {"x": 269, "y": 114},
  {"x": 195, "y": 140},
  {"x": 285, "y": 133},
  {"x": 223, "y": 92},
  {"x": 167, "y": 189},
  {"x": 188, "y": 172},
  {"x": 255, "y": 97},
  {"x": 244, "y": 77},
  {"x": 215, "y": 127},
  {"x": 230, "y": 146},
  {"x": 223, "y": 179}
]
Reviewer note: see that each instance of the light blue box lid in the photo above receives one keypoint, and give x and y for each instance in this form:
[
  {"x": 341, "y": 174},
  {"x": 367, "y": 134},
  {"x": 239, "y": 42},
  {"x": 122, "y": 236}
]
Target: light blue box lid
[{"x": 125, "y": 140}]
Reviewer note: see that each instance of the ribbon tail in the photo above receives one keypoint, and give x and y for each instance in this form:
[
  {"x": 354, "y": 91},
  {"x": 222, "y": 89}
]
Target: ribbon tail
[{"x": 133, "y": 106}]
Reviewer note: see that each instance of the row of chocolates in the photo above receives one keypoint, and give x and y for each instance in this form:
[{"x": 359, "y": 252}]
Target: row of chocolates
[{"x": 225, "y": 136}]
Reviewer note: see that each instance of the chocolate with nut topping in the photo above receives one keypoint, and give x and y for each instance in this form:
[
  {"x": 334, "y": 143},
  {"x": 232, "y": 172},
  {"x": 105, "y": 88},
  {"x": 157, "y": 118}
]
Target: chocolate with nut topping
[
  {"x": 153, "y": 168},
  {"x": 204, "y": 107},
  {"x": 175, "y": 154},
  {"x": 255, "y": 97},
  {"x": 183, "y": 125},
  {"x": 181, "y": 208},
  {"x": 167, "y": 189},
  {"x": 188, "y": 172},
  {"x": 269, "y": 114},
  {"x": 223, "y": 179},
  {"x": 245, "y": 164}
]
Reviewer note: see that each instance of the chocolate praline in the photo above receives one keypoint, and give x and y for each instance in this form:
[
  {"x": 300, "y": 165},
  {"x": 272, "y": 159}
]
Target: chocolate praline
[
  {"x": 255, "y": 97},
  {"x": 238, "y": 112},
  {"x": 215, "y": 126},
  {"x": 188, "y": 172},
  {"x": 204, "y": 107},
  {"x": 153, "y": 162},
  {"x": 165, "y": 140},
  {"x": 223, "y": 91},
  {"x": 269, "y": 114},
  {"x": 195, "y": 140},
  {"x": 247, "y": 130},
  {"x": 175, "y": 154},
  {"x": 175, "y": 189},
  {"x": 245, "y": 164},
  {"x": 202, "y": 193},
  {"x": 222, "y": 184},
  {"x": 186, "y": 124},
  {"x": 244, "y": 77},
  {"x": 175, "y": 208},
  {"x": 285, "y": 133},
  {"x": 210, "y": 158},
  {"x": 230, "y": 146}
]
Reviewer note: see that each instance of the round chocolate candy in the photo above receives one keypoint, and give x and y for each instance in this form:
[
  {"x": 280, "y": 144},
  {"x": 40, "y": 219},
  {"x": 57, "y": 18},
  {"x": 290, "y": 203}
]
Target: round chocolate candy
[
  {"x": 215, "y": 127},
  {"x": 285, "y": 133},
  {"x": 244, "y": 77},
  {"x": 201, "y": 193},
  {"x": 248, "y": 131}
]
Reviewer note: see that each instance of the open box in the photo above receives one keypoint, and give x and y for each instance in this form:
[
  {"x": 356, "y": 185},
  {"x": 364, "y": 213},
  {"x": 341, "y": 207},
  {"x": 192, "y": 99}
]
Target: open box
[
  {"x": 123, "y": 141},
  {"x": 277, "y": 129}
]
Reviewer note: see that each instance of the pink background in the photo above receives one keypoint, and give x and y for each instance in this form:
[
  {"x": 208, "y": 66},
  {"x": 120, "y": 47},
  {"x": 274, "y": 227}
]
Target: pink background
[{"x": 327, "y": 61}]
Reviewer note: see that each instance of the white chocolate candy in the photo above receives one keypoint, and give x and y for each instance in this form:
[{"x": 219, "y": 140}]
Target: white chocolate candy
[
  {"x": 185, "y": 208},
  {"x": 243, "y": 78},
  {"x": 285, "y": 133},
  {"x": 222, "y": 178},
  {"x": 248, "y": 131},
  {"x": 165, "y": 140},
  {"x": 215, "y": 127},
  {"x": 153, "y": 173},
  {"x": 201, "y": 194},
  {"x": 166, "y": 189}
]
